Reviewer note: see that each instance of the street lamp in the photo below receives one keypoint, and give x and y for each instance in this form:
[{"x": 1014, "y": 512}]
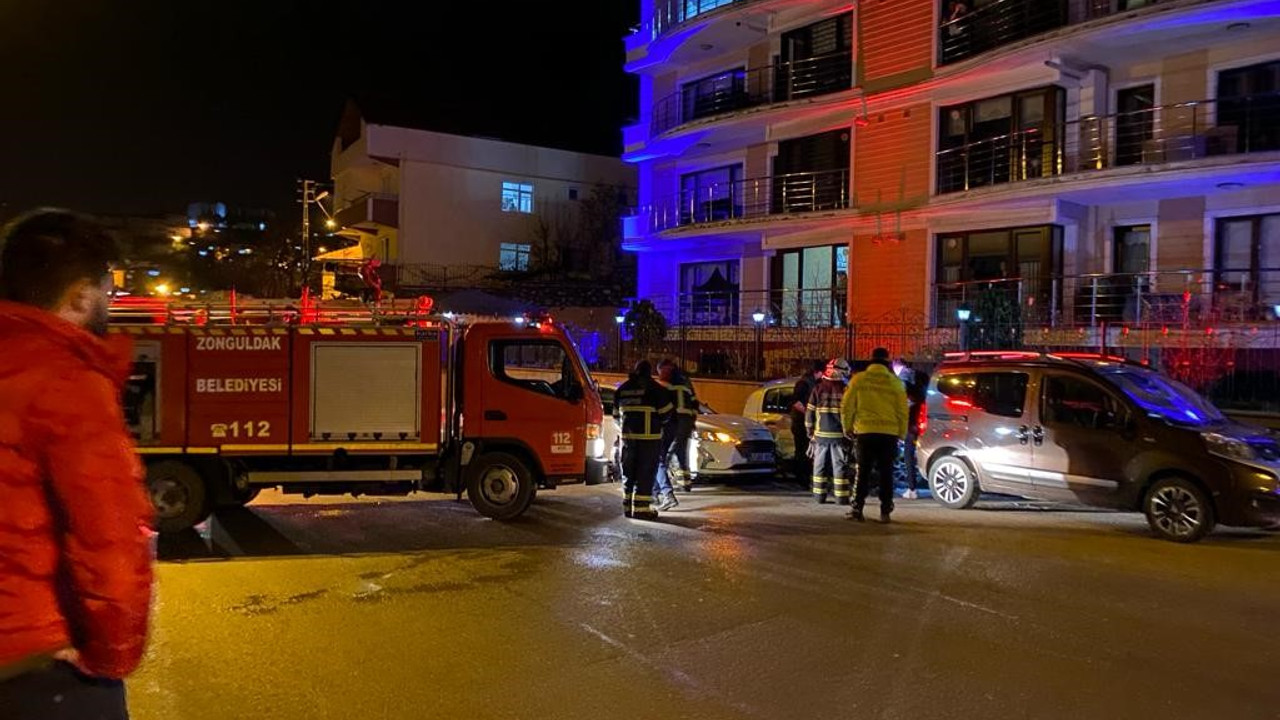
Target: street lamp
[
  {"x": 758, "y": 317},
  {"x": 619, "y": 320},
  {"x": 1276, "y": 310},
  {"x": 963, "y": 313}
]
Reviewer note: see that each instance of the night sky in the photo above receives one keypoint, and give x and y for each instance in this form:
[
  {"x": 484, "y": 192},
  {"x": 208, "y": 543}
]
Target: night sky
[{"x": 140, "y": 107}]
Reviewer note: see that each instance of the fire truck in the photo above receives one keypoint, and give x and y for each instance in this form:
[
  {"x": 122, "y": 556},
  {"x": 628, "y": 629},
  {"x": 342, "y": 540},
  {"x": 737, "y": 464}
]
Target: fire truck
[{"x": 226, "y": 401}]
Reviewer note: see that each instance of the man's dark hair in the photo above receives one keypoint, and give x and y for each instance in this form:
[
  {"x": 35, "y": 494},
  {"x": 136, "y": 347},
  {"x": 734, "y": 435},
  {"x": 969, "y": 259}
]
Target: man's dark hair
[
  {"x": 817, "y": 366},
  {"x": 45, "y": 252},
  {"x": 880, "y": 354}
]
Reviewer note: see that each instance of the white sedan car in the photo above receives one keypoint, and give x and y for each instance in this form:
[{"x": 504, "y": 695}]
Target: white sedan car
[{"x": 722, "y": 446}]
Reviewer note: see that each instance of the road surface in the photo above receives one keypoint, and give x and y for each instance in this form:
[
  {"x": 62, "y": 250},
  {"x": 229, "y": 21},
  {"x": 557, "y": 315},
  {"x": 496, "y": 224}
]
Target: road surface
[{"x": 747, "y": 602}]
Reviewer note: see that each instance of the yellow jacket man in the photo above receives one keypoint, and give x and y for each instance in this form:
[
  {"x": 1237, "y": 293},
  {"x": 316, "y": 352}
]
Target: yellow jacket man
[{"x": 874, "y": 408}]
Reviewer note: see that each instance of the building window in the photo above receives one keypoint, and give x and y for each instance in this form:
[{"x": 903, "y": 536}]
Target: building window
[
  {"x": 812, "y": 173},
  {"x": 969, "y": 28},
  {"x": 809, "y": 286},
  {"x": 816, "y": 59},
  {"x": 1246, "y": 254},
  {"x": 1248, "y": 109},
  {"x": 1001, "y": 139},
  {"x": 517, "y": 197},
  {"x": 513, "y": 257},
  {"x": 713, "y": 95},
  {"x": 711, "y": 195},
  {"x": 1015, "y": 270},
  {"x": 573, "y": 193},
  {"x": 1132, "y": 254},
  {"x": 709, "y": 293}
]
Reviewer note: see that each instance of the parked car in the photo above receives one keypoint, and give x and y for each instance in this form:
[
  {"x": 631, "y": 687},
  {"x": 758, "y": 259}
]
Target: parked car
[
  {"x": 770, "y": 405},
  {"x": 723, "y": 446},
  {"x": 1096, "y": 430}
]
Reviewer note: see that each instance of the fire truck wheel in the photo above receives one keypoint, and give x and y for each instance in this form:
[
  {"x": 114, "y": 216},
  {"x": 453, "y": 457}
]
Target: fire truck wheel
[
  {"x": 500, "y": 485},
  {"x": 178, "y": 494}
]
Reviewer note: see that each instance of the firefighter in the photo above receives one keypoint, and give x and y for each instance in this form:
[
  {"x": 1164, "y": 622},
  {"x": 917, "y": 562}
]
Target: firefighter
[
  {"x": 643, "y": 408},
  {"x": 680, "y": 431},
  {"x": 826, "y": 434}
]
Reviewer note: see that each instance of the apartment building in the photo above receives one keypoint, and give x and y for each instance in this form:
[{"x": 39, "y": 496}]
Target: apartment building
[
  {"x": 1091, "y": 170},
  {"x": 431, "y": 201}
]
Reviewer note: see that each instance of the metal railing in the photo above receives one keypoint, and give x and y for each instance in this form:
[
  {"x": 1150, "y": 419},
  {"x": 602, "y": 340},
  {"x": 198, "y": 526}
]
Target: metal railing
[
  {"x": 1163, "y": 134},
  {"x": 667, "y": 14},
  {"x": 803, "y": 192},
  {"x": 1004, "y": 22},
  {"x": 823, "y": 307},
  {"x": 742, "y": 89},
  {"x": 1177, "y": 299}
]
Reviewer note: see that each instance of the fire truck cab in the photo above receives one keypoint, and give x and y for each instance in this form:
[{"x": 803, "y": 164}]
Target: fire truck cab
[{"x": 224, "y": 403}]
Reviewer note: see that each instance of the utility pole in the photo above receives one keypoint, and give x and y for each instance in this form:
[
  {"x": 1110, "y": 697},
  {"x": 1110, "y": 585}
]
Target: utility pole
[{"x": 308, "y": 196}]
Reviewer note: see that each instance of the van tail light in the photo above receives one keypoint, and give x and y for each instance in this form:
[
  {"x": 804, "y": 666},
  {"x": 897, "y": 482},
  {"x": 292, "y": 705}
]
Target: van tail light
[{"x": 923, "y": 423}]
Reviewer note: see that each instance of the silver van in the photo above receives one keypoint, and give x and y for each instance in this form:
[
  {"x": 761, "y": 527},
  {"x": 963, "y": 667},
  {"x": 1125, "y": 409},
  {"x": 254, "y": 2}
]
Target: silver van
[{"x": 1096, "y": 430}]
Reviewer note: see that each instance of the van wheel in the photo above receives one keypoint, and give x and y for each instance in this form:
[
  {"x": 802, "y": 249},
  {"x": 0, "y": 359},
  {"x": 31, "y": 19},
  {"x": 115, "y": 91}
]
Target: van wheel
[
  {"x": 500, "y": 485},
  {"x": 1178, "y": 510},
  {"x": 953, "y": 484},
  {"x": 179, "y": 495}
]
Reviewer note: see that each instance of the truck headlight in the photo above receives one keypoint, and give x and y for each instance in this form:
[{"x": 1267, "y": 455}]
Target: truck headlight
[{"x": 1228, "y": 447}]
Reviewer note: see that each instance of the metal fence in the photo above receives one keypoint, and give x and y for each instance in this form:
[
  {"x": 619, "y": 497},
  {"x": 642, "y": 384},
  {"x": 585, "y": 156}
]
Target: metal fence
[
  {"x": 1163, "y": 134},
  {"x": 802, "y": 192},
  {"x": 1004, "y": 22},
  {"x": 742, "y": 89},
  {"x": 1178, "y": 299}
]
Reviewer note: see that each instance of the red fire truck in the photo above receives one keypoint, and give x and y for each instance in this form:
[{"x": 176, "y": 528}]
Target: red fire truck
[{"x": 227, "y": 401}]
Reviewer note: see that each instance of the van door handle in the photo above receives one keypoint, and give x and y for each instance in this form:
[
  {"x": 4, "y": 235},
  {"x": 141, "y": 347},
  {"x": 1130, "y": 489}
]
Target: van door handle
[
  {"x": 494, "y": 415},
  {"x": 1022, "y": 435},
  {"x": 1037, "y": 434}
]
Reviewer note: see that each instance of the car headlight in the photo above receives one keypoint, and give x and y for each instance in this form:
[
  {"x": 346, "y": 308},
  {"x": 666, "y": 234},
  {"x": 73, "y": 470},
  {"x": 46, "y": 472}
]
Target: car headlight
[
  {"x": 716, "y": 437},
  {"x": 1228, "y": 447}
]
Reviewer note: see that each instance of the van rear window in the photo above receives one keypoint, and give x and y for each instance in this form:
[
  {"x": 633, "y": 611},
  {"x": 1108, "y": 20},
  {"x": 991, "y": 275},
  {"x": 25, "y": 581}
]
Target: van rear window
[{"x": 997, "y": 393}]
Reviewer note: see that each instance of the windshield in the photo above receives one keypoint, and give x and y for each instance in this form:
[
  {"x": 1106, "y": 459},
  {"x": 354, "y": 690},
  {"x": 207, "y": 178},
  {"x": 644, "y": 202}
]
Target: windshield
[{"x": 1163, "y": 397}]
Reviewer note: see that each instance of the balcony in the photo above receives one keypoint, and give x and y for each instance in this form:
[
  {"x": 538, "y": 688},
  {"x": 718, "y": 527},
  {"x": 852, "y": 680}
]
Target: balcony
[
  {"x": 668, "y": 14},
  {"x": 1005, "y": 22},
  {"x": 369, "y": 211},
  {"x": 1178, "y": 300},
  {"x": 753, "y": 198},
  {"x": 1155, "y": 136},
  {"x": 743, "y": 89}
]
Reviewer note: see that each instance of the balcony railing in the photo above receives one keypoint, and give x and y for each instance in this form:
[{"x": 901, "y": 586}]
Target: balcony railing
[
  {"x": 1169, "y": 133},
  {"x": 739, "y": 90},
  {"x": 803, "y": 192},
  {"x": 668, "y": 14},
  {"x": 818, "y": 308},
  {"x": 1176, "y": 299},
  {"x": 370, "y": 209},
  {"x": 1004, "y": 22}
]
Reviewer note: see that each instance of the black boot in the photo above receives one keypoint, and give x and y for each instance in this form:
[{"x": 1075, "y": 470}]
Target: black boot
[{"x": 856, "y": 514}]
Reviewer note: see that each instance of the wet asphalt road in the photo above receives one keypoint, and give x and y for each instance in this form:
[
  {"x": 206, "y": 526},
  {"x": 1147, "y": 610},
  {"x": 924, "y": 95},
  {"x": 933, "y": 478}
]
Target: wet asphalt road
[{"x": 743, "y": 603}]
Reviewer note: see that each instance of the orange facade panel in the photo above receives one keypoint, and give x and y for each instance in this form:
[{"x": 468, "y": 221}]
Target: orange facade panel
[
  {"x": 895, "y": 42},
  {"x": 888, "y": 278},
  {"x": 892, "y": 159}
]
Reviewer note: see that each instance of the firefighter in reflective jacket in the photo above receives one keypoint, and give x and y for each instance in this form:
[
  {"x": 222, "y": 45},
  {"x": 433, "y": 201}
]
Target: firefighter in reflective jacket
[
  {"x": 643, "y": 408},
  {"x": 826, "y": 434},
  {"x": 680, "y": 431}
]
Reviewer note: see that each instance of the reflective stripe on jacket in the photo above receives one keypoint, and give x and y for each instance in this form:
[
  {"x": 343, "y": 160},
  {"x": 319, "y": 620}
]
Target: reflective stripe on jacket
[
  {"x": 875, "y": 403},
  {"x": 822, "y": 416},
  {"x": 686, "y": 401},
  {"x": 642, "y": 407}
]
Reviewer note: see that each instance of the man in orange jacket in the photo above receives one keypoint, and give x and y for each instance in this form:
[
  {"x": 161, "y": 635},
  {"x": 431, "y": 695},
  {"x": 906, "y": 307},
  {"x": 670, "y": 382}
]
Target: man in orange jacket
[{"x": 75, "y": 521}]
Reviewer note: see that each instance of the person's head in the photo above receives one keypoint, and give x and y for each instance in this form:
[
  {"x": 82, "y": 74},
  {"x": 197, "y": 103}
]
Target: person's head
[
  {"x": 818, "y": 367},
  {"x": 668, "y": 370},
  {"x": 880, "y": 356},
  {"x": 59, "y": 261},
  {"x": 642, "y": 371},
  {"x": 838, "y": 370}
]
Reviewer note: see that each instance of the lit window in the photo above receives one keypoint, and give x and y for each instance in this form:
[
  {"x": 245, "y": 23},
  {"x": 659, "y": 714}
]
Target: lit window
[
  {"x": 517, "y": 197},
  {"x": 513, "y": 257}
]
